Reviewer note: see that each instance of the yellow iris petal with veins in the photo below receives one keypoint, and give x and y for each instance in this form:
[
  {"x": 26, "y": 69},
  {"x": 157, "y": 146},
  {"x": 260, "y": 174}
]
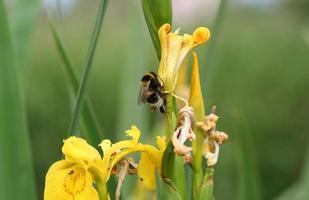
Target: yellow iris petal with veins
[{"x": 67, "y": 181}]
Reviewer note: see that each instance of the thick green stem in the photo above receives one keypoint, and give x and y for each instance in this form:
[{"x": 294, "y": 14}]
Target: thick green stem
[
  {"x": 169, "y": 116},
  {"x": 82, "y": 86},
  {"x": 102, "y": 190},
  {"x": 206, "y": 190}
]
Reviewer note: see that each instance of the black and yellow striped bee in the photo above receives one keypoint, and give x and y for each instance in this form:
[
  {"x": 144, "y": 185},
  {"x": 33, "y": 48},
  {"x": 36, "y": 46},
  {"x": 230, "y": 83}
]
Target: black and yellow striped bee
[{"x": 152, "y": 92}]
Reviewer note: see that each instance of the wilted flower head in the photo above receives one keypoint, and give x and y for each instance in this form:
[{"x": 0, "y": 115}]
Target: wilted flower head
[
  {"x": 184, "y": 131},
  {"x": 213, "y": 138}
]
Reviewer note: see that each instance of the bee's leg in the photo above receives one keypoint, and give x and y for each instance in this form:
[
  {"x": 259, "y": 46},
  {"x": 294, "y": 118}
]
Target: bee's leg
[
  {"x": 152, "y": 109},
  {"x": 167, "y": 92},
  {"x": 162, "y": 109}
]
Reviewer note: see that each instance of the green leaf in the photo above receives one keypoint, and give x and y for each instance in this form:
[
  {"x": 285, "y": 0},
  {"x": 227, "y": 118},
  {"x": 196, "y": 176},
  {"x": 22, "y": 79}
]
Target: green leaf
[
  {"x": 206, "y": 190},
  {"x": 173, "y": 169},
  {"x": 179, "y": 175},
  {"x": 166, "y": 189},
  {"x": 23, "y": 18},
  {"x": 157, "y": 13},
  {"x": 91, "y": 127},
  {"x": 168, "y": 161},
  {"x": 81, "y": 93},
  {"x": 249, "y": 184},
  {"x": 16, "y": 170}
]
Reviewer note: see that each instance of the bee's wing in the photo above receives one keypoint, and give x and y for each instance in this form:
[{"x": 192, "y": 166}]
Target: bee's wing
[{"x": 142, "y": 95}]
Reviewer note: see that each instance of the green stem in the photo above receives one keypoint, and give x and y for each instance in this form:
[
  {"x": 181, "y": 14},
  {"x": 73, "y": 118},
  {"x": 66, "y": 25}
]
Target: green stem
[
  {"x": 197, "y": 161},
  {"x": 82, "y": 86},
  {"x": 102, "y": 190},
  {"x": 169, "y": 116}
]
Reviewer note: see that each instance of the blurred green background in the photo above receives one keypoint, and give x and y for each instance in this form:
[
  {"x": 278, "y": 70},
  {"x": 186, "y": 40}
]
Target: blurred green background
[{"x": 255, "y": 69}]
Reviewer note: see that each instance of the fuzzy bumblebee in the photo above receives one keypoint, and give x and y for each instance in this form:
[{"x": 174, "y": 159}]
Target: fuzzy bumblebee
[{"x": 152, "y": 92}]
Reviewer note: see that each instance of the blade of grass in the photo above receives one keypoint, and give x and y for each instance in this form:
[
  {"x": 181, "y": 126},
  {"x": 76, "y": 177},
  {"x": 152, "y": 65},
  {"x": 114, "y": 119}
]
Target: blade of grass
[
  {"x": 92, "y": 129},
  {"x": 249, "y": 184},
  {"x": 91, "y": 51},
  {"x": 16, "y": 170},
  {"x": 214, "y": 32}
]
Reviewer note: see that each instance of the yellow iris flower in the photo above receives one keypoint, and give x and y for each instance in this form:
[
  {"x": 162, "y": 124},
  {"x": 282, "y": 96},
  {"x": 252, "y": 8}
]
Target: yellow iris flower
[
  {"x": 174, "y": 49},
  {"x": 75, "y": 176}
]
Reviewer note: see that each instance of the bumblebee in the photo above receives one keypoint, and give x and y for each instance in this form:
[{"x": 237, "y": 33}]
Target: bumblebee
[{"x": 152, "y": 92}]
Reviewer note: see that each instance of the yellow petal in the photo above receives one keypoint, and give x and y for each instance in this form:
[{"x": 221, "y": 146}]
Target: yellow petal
[
  {"x": 196, "y": 97},
  {"x": 161, "y": 143},
  {"x": 115, "y": 149},
  {"x": 201, "y": 35},
  {"x": 135, "y": 133},
  {"x": 105, "y": 145},
  {"x": 119, "y": 156},
  {"x": 186, "y": 46},
  {"x": 146, "y": 171},
  {"x": 77, "y": 149},
  {"x": 65, "y": 181}
]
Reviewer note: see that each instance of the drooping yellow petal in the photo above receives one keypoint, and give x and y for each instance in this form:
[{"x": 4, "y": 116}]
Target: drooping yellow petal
[
  {"x": 77, "y": 149},
  {"x": 196, "y": 97},
  {"x": 146, "y": 171},
  {"x": 151, "y": 159},
  {"x": 67, "y": 181}
]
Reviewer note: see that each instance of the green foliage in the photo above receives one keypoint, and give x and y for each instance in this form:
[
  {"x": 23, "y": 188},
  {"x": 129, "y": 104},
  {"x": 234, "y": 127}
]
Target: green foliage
[
  {"x": 157, "y": 13},
  {"x": 23, "y": 19},
  {"x": 16, "y": 172}
]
